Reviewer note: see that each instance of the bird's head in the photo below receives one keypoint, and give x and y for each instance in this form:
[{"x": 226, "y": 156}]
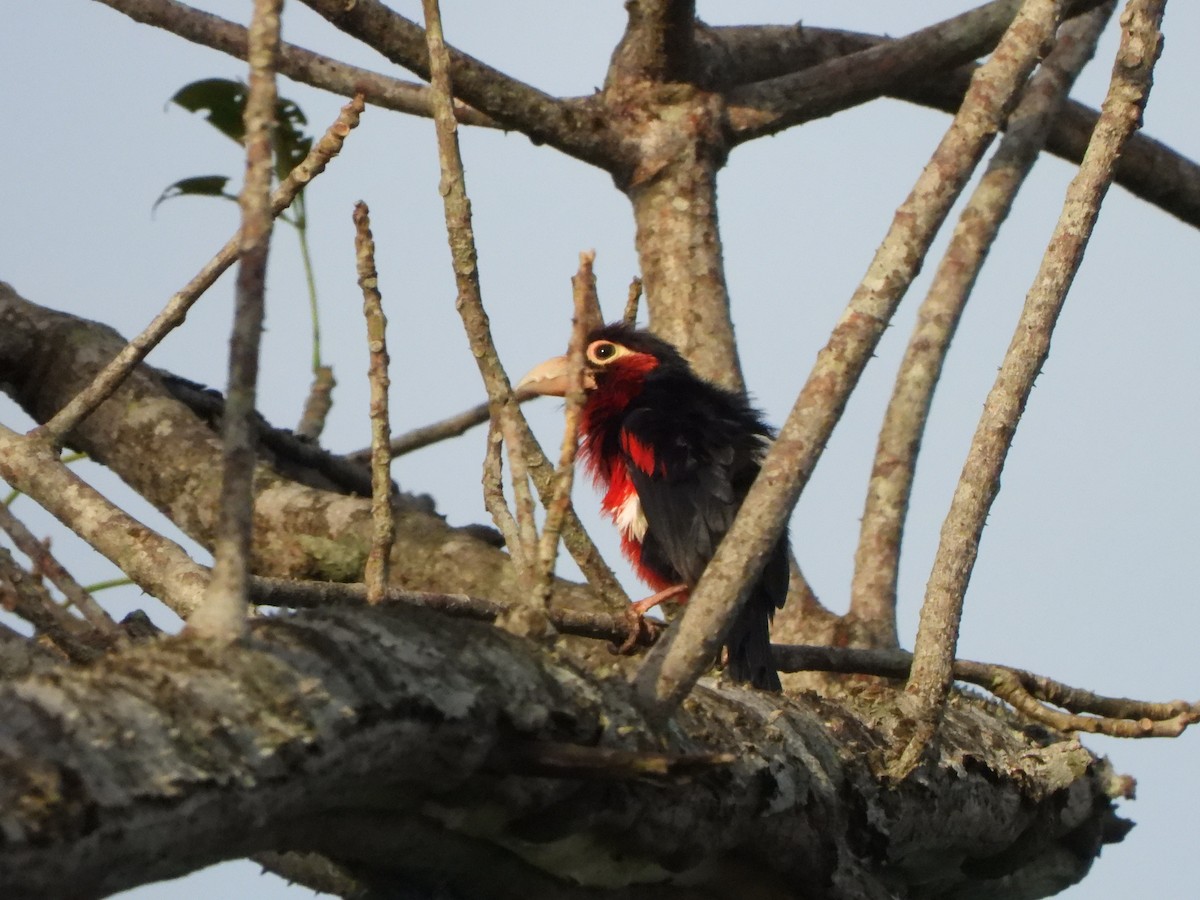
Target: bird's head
[{"x": 617, "y": 361}]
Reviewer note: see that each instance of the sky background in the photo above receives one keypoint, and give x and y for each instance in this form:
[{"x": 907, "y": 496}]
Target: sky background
[{"x": 1087, "y": 567}]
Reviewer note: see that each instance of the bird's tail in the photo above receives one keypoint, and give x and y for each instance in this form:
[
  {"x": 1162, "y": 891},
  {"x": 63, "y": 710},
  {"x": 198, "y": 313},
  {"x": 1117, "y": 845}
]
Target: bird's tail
[
  {"x": 750, "y": 646},
  {"x": 750, "y": 638}
]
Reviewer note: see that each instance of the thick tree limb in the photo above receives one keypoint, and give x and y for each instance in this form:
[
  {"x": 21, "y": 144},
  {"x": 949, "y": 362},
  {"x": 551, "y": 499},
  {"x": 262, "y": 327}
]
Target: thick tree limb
[
  {"x": 315, "y": 711},
  {"x": 658, "y": 41},
  {"x": 768, "y": 107}
]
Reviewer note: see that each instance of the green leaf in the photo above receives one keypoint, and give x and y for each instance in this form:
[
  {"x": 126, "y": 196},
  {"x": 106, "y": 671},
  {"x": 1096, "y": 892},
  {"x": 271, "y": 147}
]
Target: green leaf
[
  {"x": 223, "y": 99},
  {"x": 199, "y": 186},
  {"x": 224, "y": 102}
]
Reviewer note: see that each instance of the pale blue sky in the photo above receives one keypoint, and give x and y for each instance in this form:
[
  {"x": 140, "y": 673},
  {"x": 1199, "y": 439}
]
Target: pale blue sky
[{"x": 1087, "y": 567}]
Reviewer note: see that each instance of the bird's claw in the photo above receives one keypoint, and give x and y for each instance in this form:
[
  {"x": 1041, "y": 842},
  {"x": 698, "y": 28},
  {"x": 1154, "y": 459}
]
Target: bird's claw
[{"x": 639, "y": 630}]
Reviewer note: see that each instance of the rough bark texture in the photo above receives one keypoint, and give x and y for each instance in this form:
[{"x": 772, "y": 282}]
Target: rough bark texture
[{"x": 432, "y": 733}]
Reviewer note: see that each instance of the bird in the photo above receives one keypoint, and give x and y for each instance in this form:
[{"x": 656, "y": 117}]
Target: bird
[{"x": 674, "y": 455}]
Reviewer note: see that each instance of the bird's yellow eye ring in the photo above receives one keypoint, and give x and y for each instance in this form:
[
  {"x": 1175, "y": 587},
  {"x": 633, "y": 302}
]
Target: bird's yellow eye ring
[{"x": 602, "y": 351}]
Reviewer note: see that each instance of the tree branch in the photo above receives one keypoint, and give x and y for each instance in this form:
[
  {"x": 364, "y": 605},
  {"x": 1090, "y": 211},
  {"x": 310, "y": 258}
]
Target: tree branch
[
  {"x": 768, "y": 107},
  {"x": 877, "y": 559},
  {"x": 569, "y": 127},
  {"x": 383, "y": 520},
  {"x": 979, "y": 483},
  {"x": 300, "y": 65}
]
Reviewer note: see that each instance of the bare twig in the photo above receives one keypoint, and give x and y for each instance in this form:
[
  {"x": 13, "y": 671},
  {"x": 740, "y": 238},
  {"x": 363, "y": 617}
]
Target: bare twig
[
  {"x": 223, "y": 615},
  {"x": 979, "y": 483},
  {"x": 629, "y": 317},
  {"x": 673, "y": 667},
  {"x": 28, "y": 598},
  {"x": 45, "y": 564},
  {"x": 157, "y": 565},
  {"x": 876, "y": 563},
  {"x": 174, "y": 313},
  {"x": 444, "y": 429},
  {"x": 584, "y": 290},
  {"x": 523, "y": 504},
  {"x": 382, "y": 514},
  {"x": 1031, "y": 694},
  {"x": 318, "y": 404},
  {"x": 493, "y": 493}
]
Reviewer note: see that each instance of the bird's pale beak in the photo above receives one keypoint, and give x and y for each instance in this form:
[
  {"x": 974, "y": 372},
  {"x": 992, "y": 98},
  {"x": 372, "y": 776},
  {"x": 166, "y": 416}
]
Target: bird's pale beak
[{"x": 551, "y": 378}]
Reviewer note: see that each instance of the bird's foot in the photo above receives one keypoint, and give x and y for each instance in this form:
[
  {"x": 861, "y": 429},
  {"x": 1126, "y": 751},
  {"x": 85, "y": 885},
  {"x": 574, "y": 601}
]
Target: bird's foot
[{"x": 639, "y": 630}]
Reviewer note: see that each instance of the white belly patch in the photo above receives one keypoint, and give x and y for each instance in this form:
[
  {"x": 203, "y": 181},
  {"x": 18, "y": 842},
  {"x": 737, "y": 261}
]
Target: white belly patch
[{"x": 630, "y": 520}]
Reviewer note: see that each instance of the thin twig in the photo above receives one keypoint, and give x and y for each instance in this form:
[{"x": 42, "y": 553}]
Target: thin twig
[
  {"x": 223, "y": 615},
  {"x": 522, "y": 501},
  {"x": 173, "y": 314},
  {"x": 44, "y": 563},
  {"x": 317, "y": 404},
  {"x": 673, "y": 667},
  {"x": 979, "y": 483},
  {"x": 1031, "y": 694},
  {"x": 877, "y": 560},
  {"x": 383, "y": 521},
  {"x": 629, "y": 317},
  {"x": 493, "y": 493},
  {"x": 28, "y": 598},
  {"x": 444, "y": 429},
  {"x": 584, "y": 292}
]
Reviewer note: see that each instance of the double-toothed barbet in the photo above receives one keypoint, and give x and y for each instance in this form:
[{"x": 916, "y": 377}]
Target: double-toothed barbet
[{"x": 675, "y": 456}]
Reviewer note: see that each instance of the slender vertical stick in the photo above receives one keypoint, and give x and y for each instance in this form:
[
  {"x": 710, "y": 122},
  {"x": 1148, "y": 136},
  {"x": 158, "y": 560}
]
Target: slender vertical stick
[
  {"x": 877, "y": 560},
  {"x": 631, "y": 303},
  {"x": 382, "y": 514},
  {"x": 937, "y": 637},
  {"x": 223, "y": 614},
  {"x": 584, "y": 293}
]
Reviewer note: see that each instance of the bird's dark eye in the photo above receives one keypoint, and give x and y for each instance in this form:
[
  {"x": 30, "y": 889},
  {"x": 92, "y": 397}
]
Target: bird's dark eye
[{"x": 604, "y": 351}]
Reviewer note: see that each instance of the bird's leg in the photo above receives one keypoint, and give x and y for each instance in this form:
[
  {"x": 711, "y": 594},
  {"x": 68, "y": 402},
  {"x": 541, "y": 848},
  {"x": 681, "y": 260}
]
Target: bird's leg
[{"x": 636, "y": 615}]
